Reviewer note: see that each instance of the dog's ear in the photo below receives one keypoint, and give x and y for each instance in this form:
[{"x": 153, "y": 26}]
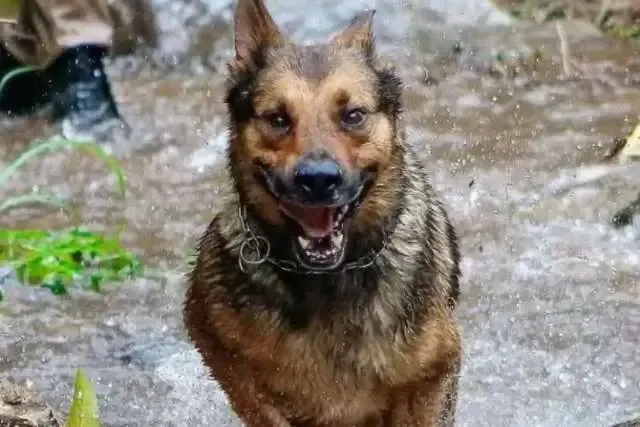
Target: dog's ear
[
  {"x": 359, "y": 33},
  {"x": 254, "y": 30}
]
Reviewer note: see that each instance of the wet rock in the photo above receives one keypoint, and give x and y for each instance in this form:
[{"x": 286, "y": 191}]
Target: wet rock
[
  {"x": 631, "y": 423},
  {"x": 614, "y": 149},
  {"x": 20, "y": 407},
  {"x": 625, "y": 216}
]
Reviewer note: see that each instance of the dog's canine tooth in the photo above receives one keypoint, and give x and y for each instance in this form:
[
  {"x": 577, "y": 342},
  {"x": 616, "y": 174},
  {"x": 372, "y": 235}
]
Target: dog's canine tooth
[
  {"x": 336, "y": 239},
  {"x": 304, "y": 243}
]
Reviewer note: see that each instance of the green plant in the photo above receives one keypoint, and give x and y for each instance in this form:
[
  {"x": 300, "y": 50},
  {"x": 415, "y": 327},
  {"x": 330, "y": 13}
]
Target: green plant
[
  {"x": 51, "y": 145},
  {"x": 58, "y": 259},
  {"x": 4, "y": 81},
  {"x": 84, "y": 411}
]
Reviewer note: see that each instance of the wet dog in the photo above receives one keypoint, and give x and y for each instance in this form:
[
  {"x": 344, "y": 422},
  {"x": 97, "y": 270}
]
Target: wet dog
[{"x": 324, "y": 290}]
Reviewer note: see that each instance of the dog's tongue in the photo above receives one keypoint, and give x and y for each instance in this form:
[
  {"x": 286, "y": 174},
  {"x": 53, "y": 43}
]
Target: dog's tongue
[{"x": 316, "y": 222}]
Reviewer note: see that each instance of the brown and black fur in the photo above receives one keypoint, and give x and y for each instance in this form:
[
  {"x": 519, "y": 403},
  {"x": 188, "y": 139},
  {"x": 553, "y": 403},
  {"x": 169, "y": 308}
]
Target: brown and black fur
[{"x": 374, "y": 346}]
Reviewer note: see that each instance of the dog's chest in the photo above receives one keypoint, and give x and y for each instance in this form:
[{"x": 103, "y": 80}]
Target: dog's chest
[
  {"x": 336, "y": 374},
  {"x": 331, "y": 378}
]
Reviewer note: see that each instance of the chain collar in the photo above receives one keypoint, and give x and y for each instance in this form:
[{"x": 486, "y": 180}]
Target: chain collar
[{"x": 256, "y": 250}]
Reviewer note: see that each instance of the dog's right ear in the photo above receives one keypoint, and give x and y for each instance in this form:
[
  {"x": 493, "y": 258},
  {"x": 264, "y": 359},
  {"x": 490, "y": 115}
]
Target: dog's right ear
[{"x": 254, "y": 30}]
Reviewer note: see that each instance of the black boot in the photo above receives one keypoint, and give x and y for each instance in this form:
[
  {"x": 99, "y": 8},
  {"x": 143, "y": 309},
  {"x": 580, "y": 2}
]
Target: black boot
[
  {"x": 81, "y": 95},
  {"x": 24, "y": 93}
]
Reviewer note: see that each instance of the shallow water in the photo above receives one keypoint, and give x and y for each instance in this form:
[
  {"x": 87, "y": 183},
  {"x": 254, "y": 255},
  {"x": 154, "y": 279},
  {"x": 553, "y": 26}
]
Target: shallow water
[{"x": 550, "y": 309}]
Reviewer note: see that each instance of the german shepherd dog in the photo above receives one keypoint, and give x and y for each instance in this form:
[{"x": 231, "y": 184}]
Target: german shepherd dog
[{"x": 324, "y": 289}]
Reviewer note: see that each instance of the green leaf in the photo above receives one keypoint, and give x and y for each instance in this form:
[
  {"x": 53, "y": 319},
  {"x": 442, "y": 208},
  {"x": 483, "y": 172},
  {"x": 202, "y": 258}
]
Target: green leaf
[
  {"x": 76, "y": 257},
  {"x": 631, "y": 149},
  {"x": 56, "y": 286},
  {"x": 84, "y": 407},
  {"x": 57, "y": 260}
]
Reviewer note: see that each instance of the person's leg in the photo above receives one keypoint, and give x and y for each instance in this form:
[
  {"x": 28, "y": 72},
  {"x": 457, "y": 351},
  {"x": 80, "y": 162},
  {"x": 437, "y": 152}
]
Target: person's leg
[
  {"x": 22, "y": 92},
  {"x": 80, "y": 92},
  {"x": 67, "y": 40}
]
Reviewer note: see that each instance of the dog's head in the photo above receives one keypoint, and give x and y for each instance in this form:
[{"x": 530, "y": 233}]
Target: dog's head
[{"x": 313, "y": 128}]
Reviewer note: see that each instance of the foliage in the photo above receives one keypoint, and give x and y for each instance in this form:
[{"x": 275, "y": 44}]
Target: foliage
[
  {"x": 59, "y": 259},
  {"x": 84, "y": 407},
  {"x": 56, "y": 260}
]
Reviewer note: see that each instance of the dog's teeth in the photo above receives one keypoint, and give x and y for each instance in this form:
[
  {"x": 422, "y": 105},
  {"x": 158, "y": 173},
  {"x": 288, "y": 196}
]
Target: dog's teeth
[
  {"x": 304, "y": 243},
  {"x": 322, "y": 254}
]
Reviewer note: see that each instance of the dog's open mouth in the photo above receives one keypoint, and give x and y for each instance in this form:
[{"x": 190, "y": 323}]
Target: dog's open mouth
[{"x": 321, "y": 239}]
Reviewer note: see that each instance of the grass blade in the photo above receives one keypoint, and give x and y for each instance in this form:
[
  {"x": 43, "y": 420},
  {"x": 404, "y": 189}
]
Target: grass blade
[
  {"x": 111, "y": 161},
  {"x": 32, "y": 198},
  {"x": 13, "y": 73},
  {"x": 55, "y": 144},
  {"x": 84, "y": 407}
]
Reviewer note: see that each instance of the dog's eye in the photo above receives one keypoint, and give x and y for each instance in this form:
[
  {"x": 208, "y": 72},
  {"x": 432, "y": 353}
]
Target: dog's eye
[
  {"x": 354, "y": 117},
  {"x": 279, "y": 121}
]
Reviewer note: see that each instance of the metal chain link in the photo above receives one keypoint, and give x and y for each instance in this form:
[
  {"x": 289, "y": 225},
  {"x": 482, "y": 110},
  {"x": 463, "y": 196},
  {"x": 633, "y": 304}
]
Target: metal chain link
[{"x": 256, "y": 250}]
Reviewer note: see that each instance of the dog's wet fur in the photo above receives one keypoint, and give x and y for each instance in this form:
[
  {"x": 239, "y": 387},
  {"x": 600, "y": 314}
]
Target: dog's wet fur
[{"x": 340, "y": 309}]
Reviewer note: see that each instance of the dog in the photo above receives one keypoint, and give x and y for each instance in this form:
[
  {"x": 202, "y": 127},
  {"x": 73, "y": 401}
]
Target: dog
[{"x": 324, "y": 290}]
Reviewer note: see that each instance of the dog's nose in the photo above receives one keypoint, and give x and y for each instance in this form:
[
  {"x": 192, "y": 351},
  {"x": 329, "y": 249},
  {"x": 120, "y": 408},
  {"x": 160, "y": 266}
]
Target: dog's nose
[{"x": 318, "y": 179}]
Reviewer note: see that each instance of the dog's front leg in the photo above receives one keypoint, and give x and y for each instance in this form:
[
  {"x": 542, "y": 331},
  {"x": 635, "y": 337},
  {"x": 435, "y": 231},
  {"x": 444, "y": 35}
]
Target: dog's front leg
[
  {"x": 247, "y": 402},
  {"x": 430, "y": 403},
  {"x": 258, "y": 414},
  {"x": 236, "y": 380}
]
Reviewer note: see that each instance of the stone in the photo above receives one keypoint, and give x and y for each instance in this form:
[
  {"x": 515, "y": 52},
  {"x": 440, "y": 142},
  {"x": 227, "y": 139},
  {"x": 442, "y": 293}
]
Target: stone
[
  {"x": 21, "y": 407},
  {"x": 631, "y": 423}
]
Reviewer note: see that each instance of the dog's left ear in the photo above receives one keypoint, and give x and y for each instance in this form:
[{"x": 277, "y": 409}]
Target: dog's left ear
[{"x": 359, "y": 33}]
